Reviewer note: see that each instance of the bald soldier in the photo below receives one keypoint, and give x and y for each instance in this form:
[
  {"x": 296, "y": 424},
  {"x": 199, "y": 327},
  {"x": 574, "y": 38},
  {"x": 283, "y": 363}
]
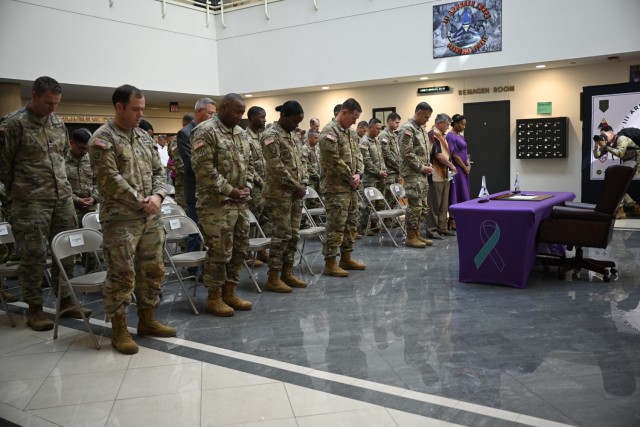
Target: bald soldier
[
  {"x": 131, "y": 182},
  {"x": 414, "y": 170},
  {"x": 224, "y": 170},
  {"x": 33, "y": 141}
]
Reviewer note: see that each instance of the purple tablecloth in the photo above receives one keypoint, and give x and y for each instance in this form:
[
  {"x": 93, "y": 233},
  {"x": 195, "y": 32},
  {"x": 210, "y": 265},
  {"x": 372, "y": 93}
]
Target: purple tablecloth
[{"x": 497, "y": 239}]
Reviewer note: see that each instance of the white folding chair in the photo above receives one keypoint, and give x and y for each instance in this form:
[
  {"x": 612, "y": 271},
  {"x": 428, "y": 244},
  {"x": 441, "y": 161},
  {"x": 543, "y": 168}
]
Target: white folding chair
[
  {"x": 312, "y": 232},
  {"x": 7, "y": 270},
  {"x": 91, "y": 220},
  {"x": 179, "y": 228},
  {"x": 399, "y": 194},
  {"x": 319, "y": 213},
  {"x": 170, "y": 189},
  {"x": 256, "y": 244},
  {"x": 372, "y": 194},
  {"x": 168, "y": 200},
  {"x": 69, "y": 244}
]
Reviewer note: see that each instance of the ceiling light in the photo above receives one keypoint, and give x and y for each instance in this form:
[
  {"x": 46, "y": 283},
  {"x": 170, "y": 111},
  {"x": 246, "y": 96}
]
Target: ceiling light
[
  {"x": 248, "y": 95},
  {"x": 325, "y": 88},
  {"x": 541, "y": 66},
  {"x": 424, "y": 78}
]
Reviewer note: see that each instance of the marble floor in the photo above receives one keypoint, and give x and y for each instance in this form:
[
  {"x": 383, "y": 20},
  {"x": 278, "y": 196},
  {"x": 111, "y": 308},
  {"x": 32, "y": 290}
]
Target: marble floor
[{"x": 402, "y": 343}]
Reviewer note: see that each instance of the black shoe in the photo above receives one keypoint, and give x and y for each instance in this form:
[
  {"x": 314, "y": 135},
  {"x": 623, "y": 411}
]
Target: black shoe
[
  {"x": 447, "y": 232},
  {"x": 433, "y": 236}
]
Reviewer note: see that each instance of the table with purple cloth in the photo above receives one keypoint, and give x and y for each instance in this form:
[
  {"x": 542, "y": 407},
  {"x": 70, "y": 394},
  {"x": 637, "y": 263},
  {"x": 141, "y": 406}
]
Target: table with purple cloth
[{"x": 497, "y": 239}]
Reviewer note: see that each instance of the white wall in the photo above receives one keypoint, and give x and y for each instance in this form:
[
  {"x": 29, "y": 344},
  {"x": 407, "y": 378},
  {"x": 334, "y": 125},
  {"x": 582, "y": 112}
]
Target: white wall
[
  {"x": 361, "y": 40},
  {"x": 86, "y": 42},
  {"x": 561, "y": 87}
]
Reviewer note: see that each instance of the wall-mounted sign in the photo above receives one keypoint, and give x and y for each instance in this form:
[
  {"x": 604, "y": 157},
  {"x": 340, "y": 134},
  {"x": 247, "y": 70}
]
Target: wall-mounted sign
[
  {"x": 433, "y": 89},
  {"x": 479, "y": 90},
  {"x": 544, "y": 108},
  {"x": 174, "y": 107}
]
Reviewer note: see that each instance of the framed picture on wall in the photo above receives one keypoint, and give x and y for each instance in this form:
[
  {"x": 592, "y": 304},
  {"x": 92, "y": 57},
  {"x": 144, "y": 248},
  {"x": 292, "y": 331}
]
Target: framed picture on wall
[{"x": 382, "y": 113}]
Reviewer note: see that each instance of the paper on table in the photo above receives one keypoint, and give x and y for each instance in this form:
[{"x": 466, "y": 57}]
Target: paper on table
[{"x": 522, "y": 197}]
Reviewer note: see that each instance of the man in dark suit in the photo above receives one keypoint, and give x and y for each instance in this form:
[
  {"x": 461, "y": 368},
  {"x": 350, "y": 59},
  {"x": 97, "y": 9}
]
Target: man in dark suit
[{"x": 205, "y": 109}]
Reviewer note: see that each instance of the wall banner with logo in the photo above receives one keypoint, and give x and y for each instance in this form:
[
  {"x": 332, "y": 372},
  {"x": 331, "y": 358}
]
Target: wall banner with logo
[{"x": 466, "y": 28}]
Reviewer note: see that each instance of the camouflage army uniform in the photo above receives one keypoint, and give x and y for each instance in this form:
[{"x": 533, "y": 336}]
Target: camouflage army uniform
[
  {"x": 4, "y": 249},
  {"x": 414, "y": 151},
  {"x": 179, "y": 182},
  {"x": 221, "y": 160},
  {"x": 626, "y": 150},
  {"x": 32, "y": 168},
  {"x": 373, "y": 160},
  {"x": 286, "y": 172},
  {"x": 340, "y": 159},
  {"x": 128, "y": 169},
  {"x": 83, "y": 185},
  {"x": 392, "y": 160},
  {"x": 311, "y": 159},
  {"x": 256, "y": 204}
]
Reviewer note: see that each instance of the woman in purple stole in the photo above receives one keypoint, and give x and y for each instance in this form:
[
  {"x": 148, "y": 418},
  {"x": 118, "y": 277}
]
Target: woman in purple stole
[{"x": 460, "y": 188}]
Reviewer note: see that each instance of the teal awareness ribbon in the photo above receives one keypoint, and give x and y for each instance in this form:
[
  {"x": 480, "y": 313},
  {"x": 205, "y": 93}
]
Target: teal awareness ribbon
[{"x": 490, "y": 235}]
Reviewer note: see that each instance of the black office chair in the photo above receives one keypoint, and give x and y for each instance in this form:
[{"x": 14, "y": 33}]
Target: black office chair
[{"x": 584, "y": 225}]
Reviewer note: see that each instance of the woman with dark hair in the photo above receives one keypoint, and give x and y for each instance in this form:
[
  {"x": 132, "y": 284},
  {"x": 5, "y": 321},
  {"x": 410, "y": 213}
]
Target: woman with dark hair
[
  {"x": 459, "y": 191},
  {"x": 285, "y": 185}
]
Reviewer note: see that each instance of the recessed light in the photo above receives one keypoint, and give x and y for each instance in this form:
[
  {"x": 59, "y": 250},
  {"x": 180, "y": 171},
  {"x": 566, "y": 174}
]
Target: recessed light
[
  {"x": 248, "y": 95},
  {"x": 424, "y": 78},
  {"x": 541, "y": 66},
  {"x": 325, "y": 88}
]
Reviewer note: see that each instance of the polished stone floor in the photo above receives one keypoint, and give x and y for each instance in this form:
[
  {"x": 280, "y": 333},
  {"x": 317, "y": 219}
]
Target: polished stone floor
[{"x": 405, "y": 337}]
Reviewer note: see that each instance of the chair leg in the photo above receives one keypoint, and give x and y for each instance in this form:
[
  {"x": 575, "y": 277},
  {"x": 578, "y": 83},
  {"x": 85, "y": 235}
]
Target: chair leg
[
  {"x": 388, "y": 232},
  {"x": 253, "y": 279},
  {"x": 186, "y": 292},
  {"x": 6, "y": 307}
]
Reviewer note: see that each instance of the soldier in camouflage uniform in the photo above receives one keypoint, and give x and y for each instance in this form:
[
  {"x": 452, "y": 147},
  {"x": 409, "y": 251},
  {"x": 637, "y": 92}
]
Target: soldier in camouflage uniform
[
  {"x": 415, "y": 168},
  {"x": 283, "y": 192},
  {"x": 33, "y": 141},
  {"x": 342, "y": 168},
  {"x": 221, "y": 160},
  {"x": 375, "y": 171},
  {"x": 391, "y": 154},
  {"x": 131, "y": 182},
  {"x": 80, "y": 175},
  {"x": 179, "y": 169},
  {"x": 626, "y": 150},
  {"x": 257, "y": 120},
  {"x": 311, "y": 158},
  {"x": 4, "y": 249}
]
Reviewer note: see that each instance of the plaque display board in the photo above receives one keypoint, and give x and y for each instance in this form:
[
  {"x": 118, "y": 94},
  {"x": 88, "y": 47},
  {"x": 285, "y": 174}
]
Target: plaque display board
[
  {"x": 523, "y": 197},
  {"x": 541, "y": 138}
]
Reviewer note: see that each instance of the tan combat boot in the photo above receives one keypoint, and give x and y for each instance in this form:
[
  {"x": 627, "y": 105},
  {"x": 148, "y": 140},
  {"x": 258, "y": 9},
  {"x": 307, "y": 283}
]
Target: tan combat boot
[
  {"x": 287, "y": 277},
  {"x": 253, "y": 263},
  {"x": 620, "y": 214},
  {"x": 332, "y": 269},
  {"x": 232, "y": 300},
  {"x": 37, "y": 319},
  {"x": 263, "y": 256},
  {"x": 73, "y": 311},
  {"x": 423, "y": 239},
  {"x": 412, "y": 239},
  {"x": 120, "y": 338},
  {"x": 216, "y": 306},
  {"x": 346, "y": 263},
  {"x": 149, "y": 325},
  {"x": 635, "y": 210},
  {"x": 274, "y": 283}
]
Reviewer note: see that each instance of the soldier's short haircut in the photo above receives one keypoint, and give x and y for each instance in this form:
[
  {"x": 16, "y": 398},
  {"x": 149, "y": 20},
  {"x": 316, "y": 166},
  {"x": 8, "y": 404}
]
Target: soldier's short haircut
[
  {"x": 363, "y": 124},
  {"x": 81, "y": 135},
  {"x": 187, "y": 118},
  {"x": 393, "y": 116},
  {"x": 45, "y": 83},
  {"x": 423, "y": 106},
  {"x": 290, "y": 108},
  {"x": 442, "y": 117},
  {"x": 313, "y": 121},
  {"x": 254, "y": 111},
  {"x": 337, "y": 108},
  {"x": 374, "y": 121},
  {"x": 351, "y": 105},
  {"x": 313, "y": 132},
  {"x": 123, "y": 93},
  {"x": 228, "y": 98},
  {"x": 145, "y": 125},
  {"x": 203, "y": 102}
]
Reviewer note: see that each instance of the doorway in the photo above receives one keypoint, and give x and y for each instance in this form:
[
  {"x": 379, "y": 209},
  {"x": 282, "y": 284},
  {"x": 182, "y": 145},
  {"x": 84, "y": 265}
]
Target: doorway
[{"x": 488, "y": 137}]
